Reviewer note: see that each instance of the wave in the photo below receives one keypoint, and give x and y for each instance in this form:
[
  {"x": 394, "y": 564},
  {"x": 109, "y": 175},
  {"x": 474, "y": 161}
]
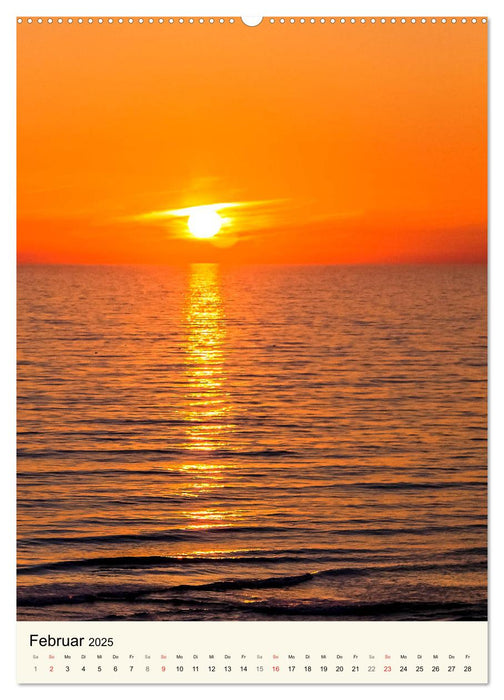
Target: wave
[
  {"x": 154, "y": 603},
  {"x": 138, "y": 562},
  {"x": 279, "y": 581},
  {"x": 274, "y": 557},
  {"x": 114, "y": 472},
  {"x": 144, "y": 452},
  {"x": 175, "y": 534},
  {"x": 399, "y": 610},
  {"x": 414, "y": 485},
  {"x": 180, "y": 534},
  {"x": 70, "y": 473}
]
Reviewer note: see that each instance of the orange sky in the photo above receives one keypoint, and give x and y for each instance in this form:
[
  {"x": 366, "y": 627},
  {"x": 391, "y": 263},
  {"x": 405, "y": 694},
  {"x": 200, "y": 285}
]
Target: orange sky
[{"x": 342, "y": 143}]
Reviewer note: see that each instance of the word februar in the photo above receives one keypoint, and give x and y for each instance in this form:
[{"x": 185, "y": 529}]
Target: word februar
[{"x": 50, "y": 641}]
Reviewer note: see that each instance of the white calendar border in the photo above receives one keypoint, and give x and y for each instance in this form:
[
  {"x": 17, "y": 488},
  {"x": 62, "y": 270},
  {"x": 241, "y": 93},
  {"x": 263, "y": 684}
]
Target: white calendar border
[{"x": 495, "y": 11}]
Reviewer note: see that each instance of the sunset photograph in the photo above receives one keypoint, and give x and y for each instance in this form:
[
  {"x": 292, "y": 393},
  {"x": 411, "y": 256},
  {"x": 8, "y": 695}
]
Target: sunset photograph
[{"x": 251, "y": 320}]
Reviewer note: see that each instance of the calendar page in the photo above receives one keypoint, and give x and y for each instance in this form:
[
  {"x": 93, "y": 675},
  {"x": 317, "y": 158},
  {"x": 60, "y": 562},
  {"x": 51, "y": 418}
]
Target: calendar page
[{"x": 252, "y": 349}]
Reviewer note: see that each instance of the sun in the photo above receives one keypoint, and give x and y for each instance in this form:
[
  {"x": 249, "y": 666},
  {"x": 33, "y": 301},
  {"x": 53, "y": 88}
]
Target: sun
[{"x": 204, "y": 222}]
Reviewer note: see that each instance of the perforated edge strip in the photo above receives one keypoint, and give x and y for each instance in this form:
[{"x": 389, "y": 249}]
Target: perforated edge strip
[{"x": 265, "y": 20}]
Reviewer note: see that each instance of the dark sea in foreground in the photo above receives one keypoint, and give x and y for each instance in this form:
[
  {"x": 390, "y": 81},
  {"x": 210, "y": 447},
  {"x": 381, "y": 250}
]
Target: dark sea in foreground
[{"x": 252, "y": 443}]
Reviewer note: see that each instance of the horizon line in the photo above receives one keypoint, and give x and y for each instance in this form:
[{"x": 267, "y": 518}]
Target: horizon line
[{"x": 21, "y": 263}]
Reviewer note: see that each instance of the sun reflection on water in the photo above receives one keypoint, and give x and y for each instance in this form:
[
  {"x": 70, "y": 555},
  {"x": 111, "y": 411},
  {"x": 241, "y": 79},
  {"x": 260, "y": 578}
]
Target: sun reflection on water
[{"x": 208, "y": 405}]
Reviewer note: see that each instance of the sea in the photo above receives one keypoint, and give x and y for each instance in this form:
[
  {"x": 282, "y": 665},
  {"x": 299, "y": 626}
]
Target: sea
[{"x": 270, "y": 442}]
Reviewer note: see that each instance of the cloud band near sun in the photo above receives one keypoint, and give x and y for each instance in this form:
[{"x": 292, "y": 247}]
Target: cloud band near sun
[{"x": 224, "y": 223}]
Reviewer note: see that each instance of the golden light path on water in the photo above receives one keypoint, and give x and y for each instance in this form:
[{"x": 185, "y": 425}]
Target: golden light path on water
[{"x": 207, "y": 401}]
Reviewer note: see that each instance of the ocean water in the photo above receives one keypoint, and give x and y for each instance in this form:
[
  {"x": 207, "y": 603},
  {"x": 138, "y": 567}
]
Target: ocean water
[{"x": 252, "y": 442}]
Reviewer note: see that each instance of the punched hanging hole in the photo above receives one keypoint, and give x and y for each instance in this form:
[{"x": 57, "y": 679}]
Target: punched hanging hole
[{"x": 251, "y": 21}]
